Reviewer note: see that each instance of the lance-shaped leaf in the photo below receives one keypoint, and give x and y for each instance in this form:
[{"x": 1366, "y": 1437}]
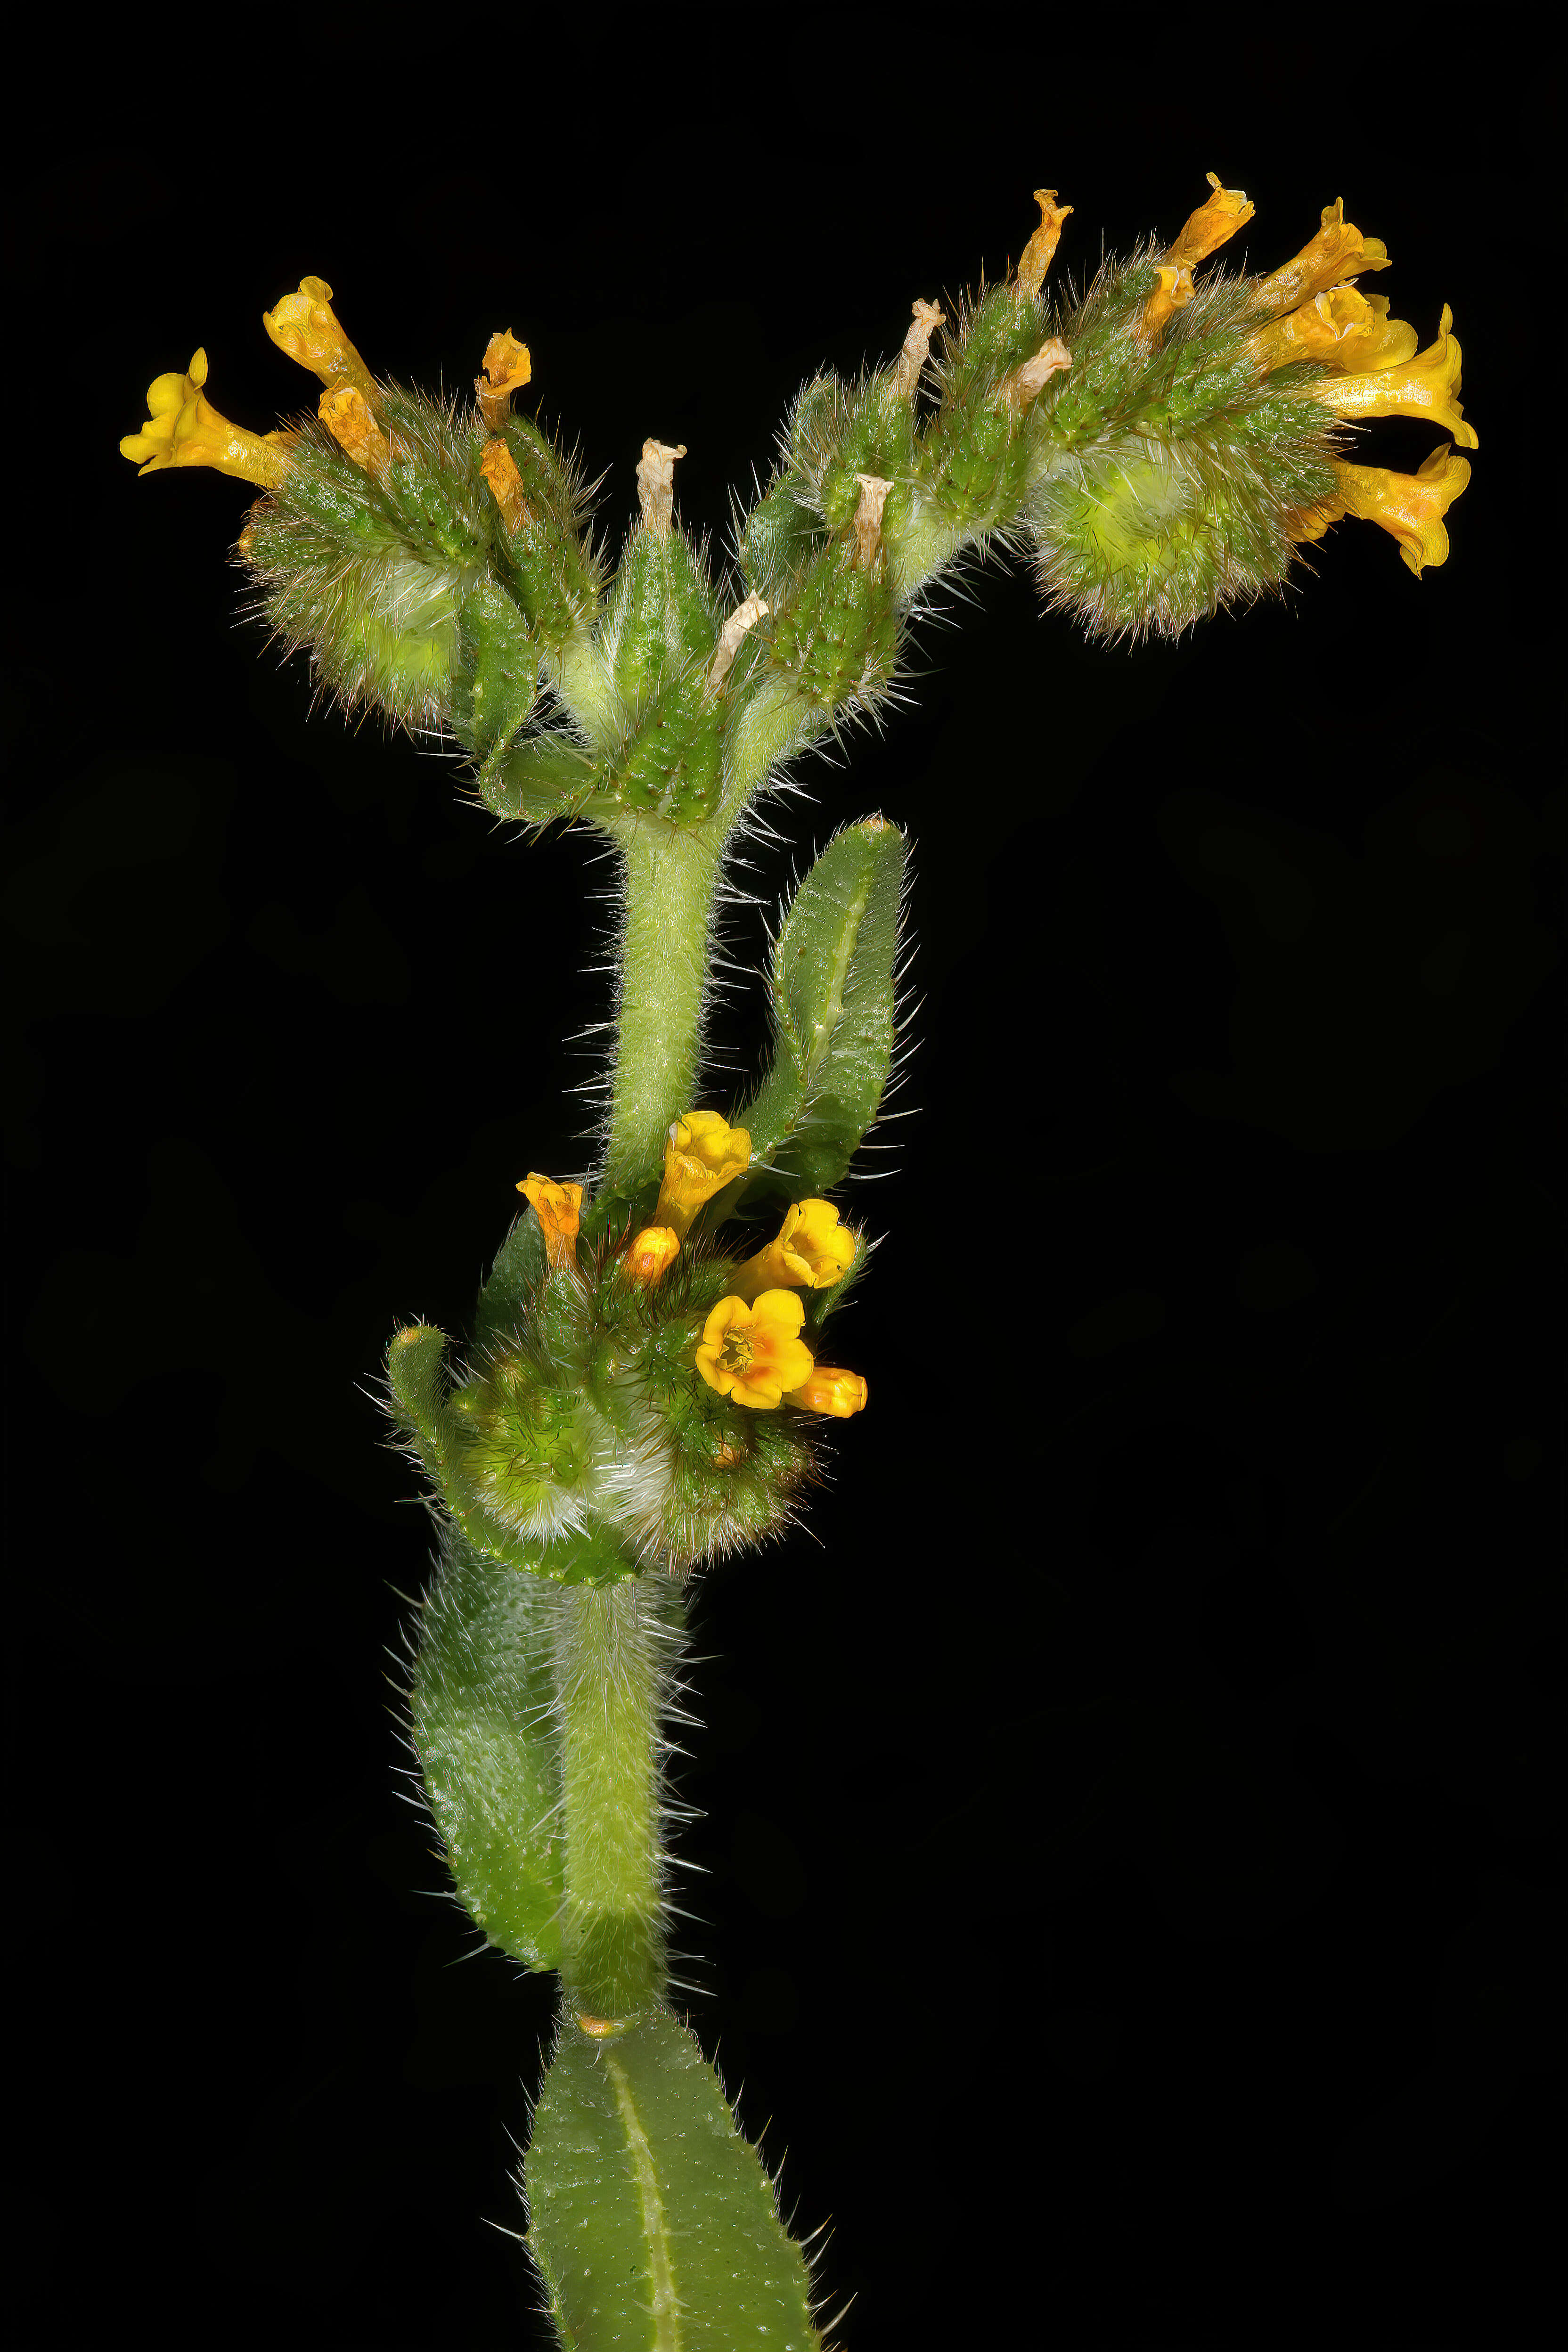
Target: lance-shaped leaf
[
  {"x": 833, "y": 989},
  {"x": 482, "y": 1708},
  {"x": 497, "y": 673},
  {"x": 652, "y": 2219}
]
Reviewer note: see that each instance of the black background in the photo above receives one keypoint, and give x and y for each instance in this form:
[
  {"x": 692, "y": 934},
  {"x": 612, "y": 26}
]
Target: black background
[{"x": 1127, "y": 1822}]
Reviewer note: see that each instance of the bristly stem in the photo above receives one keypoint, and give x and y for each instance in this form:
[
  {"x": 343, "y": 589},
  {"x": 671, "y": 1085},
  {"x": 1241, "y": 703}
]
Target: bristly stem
[
  {"x": 671, "y": 878},
  {"x": 613, "y": 1646}
]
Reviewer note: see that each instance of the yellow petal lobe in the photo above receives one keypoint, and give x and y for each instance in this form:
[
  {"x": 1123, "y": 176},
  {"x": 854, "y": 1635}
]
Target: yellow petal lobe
[
  {"x": 557, "y": 1209},
  {"x": 506, "y": 368},
  {"x": 703, "y": 1153},
  {"x": 1410, "y": 506},
  {"x": 1426, "y": 386},
  {"x": 183, "y": 428},
  {"x": 306, "y": 326},
  {"x": 831, "y": 1391},
  {"x": 1212, "y": 225},
  {"x": 752, "y": 1353},
  {"x": 1338, "y": 251},
  {"x": 810, "y": 1250}
]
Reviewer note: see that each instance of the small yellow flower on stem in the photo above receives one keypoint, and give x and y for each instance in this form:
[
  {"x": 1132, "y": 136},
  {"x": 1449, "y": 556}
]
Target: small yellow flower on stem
[
  {"x": 506, "y": 486},
  {"x": 830, "y": 1391},
  {"x": 650, "y": 1255},
  {"x": 1411, "y": 506},
  {"x": 754, "y": 1354},
  {"x": 557, "y": 1207},
  {"x": 1342, "y": 328},
  {"x": 182, "y": 428},
  {"x": 702, "y": 1155},
  {"x": 1022, "y": 386},
  {"x": 1040, "y": 251},
  {"x": 1172, "y": 293},
  {"x": 306, "y": 326},
  {"x": 1424, "y": 386},
  {"x": 350, "y": 419},
  {"x": 506, "y": 368},
  {"x": 810, "y": 1250},
  {"x": 1338, "y": 251},
  {"x": 1213, "y": 224}
]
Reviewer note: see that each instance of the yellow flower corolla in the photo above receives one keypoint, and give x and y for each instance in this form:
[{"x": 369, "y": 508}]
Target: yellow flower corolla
[
  {"x": 1411, "y": 506},
  {"x": 183, "y": 428},
  {"x": 754, "y": 1354},
  {"x": 557, "y": 1207},
  {"x": 1040, "y": 251},
  {"x": 1213, "y": 224},
  {"x": 1341, "y": 329},
  {"x": 506, "y": 368},
  {"x": 830, "y": 1391},
  {"x": 1338, "y": 251},
  {"x": 497, "y": 466},
  {"x": 650, "y": 1255},
  {"x": 1173, "y": 292},
  {"x": 702, "y": 1155},
  {"x": 350, "y": 419},
  {"x": 810, "y": 1250},
  {"x": 306, "y": 326},
  {"x": 1422, "y": 386}
]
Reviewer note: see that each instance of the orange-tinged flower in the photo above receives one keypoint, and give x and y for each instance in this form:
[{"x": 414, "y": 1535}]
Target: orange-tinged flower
[
  {"x": 1172, "y": 293},
  {"x": 753, "y": 1354},
  {"x": 497, "y": 466},
  {"x": 702, "y": 1155},
  {"x": 1213, "y": 224},
  {"x": 830, "y": 1391},
  {"x": 1338, "y": 251},
  {"x": 650, "y": 1255},
  {"x": 1411, "y": 506},
  {"x": 1040, "y": 251},
  {"x": 350, "y": 419},
  {"x": 810, "y": 1250},
  {"x": 557, "y": 1207},
  {"x": 1424, "y": 386},
  {"x": 1342, "y": 328},
  {"x": 306, "y": 326},
  {"x": 183, "y": 428},
  {"x": 506, "y": 368}
]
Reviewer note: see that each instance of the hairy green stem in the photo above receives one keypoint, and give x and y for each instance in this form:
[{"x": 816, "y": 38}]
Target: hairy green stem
[
  {"x": 613, "y": 1647},
  {"x": 671, "y": 881}
]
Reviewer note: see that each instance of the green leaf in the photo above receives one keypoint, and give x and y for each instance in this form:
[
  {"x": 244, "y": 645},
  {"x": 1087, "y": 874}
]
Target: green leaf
[
  {"x": 833, "y": 1014},
  {"x": 497, "y": 673},
  {"x": 482, "y": 1704},
  {"x": 653, "y": 2222}
]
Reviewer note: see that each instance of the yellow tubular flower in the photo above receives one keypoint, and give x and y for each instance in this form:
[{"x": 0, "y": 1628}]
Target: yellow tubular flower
[
  {"x": 810, "y": 1250},
  {"x": 830, "y": 1391},
  {"x": 1342, "y": 328},
  {"x": 350, "y": 419},
  {"x": 753, "y": 1354},
  {"x": 703, "y": 1154},
  {"x": 1213, "y": 224},
  {"x": 1338, "y": 251},
  {"x": 1411, "y": 506},
  {"x": 182, "y": 428},
  {"x": 1040, "y": 251},
  {"x": 557, "y": 1207},
  {"x": 305, "y": 326},
  {"x": 1424, "y": 386},
  {"x": 506, "y": 486},
  {"x": 506, "y": 368},
  {"x": 1173, "y": 292},
  {"x": 649, "y": 1256}
]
